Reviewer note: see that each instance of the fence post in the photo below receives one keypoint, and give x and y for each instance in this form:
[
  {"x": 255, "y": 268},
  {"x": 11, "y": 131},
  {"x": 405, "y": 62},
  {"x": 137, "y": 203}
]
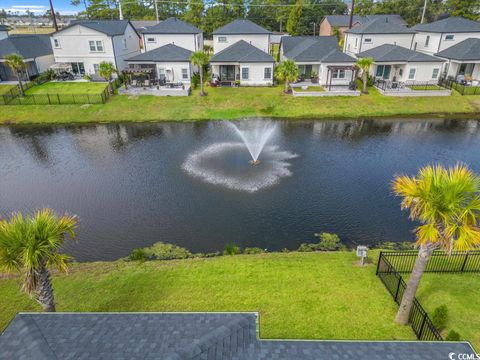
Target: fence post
[
  {"x": 378, "y": 263},
  {"x": 464, "y": 262},
  {"x": 398, "y": 288},
  {"x": 423, "y": 325},
  {"x": 58, "y": 98},
  {"x": 48, "y": 97},
  {"x": 88, "y": 98}
]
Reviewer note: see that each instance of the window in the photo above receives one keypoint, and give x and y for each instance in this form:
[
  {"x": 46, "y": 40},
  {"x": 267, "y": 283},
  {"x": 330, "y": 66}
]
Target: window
[
  {"x": 78, "y": 68},
  {"x": 96, "y": 46},
  {"x": 244, "y": 73},
  {"x": 267, "y": 73},
  {"x": 400, "y": 72},
  {"x": 435, "y": 73},
  {"x": 151, "y": 40},
  {"x": 56, "y": 43},
  {"x": 411, "y": 74},
  {"x": 449, "y": 37},
  {"x": 124, "y": 43},
  {"x": 383, "y": 71},
  {"x": 368, "y": 40},
  {"x": 427, "y": 40},
  {"x": 356, "y": 42},
  {"x": 96, "y": 68},
  {"x": 338, "y": 74},
  {"x": 184, "y": 73},
  {"x": 222, "y": 39}
]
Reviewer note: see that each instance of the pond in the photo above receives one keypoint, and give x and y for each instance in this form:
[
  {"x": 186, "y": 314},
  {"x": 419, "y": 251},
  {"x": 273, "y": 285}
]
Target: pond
[{"x": 192, "y": 184}]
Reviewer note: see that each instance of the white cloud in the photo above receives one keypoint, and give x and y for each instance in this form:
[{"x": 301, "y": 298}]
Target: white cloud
[{"x": 37, "y": 10}]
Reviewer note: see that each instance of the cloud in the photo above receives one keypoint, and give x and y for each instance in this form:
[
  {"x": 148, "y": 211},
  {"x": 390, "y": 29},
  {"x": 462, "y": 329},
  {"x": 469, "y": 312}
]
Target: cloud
[{"x": 37, "y": 10}]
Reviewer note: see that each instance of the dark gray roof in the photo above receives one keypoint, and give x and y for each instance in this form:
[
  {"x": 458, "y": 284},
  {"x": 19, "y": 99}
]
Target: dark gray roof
[
  {"x": 172, "y": 25},
  {"x": 450, "y": 25},
  {"x": 468, "y": 49},
  {"x": 241, "y": 52},
  {"x": 390, "y": 53},
  {"x": 241, "y": 26},
  {"x": 109, "y": 27},
  {"x": 344, "y": 20},
  {"x": 380, "y": 25},
  {"x": 314, "y": 48},
  {"x": 185, "y": 336},
  {"x": 3, "y": 27},
  {"x": 164, "y": 53},
  {"x": 141, "y": 25},
  {"x": 28, "y": 46}
]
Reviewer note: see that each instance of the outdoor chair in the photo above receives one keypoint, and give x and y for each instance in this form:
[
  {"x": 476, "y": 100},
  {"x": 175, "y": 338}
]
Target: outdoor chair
[
  {"x": 134, "y": 83},
  {"x": 146, "y": 83}
]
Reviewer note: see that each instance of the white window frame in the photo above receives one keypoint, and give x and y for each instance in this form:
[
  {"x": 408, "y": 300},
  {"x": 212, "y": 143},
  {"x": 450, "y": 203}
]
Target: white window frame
[
  {"x": 248, "y": 73},
  {"x": 222, "y": 39},
  {"x": 410, "y": 77},
  {"x": 436, "y": 72},
  {"x": 367, "y": 40},
  {"x": 97, "y": 45},
  {"x": 151, "y": 40},
  {"x": 338, "y": 74},
  {"x": 450, "y": 35},
  {"x": 96, "y": 68},
  {"x": 125, "y": 43},
  {"x": 56, "y": 43},
  {"x": 264, "y": 73},
  {"x": 184, "y": 73}
]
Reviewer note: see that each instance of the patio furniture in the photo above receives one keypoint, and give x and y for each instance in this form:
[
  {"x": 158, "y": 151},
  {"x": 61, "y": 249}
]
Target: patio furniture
[
  {"x": 146, "y": 83},
  {"x": 134, "y": 83}
]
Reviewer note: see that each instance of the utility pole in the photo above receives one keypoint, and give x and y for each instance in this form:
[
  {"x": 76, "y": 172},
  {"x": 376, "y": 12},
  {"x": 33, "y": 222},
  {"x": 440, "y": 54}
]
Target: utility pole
[
  {"x": 423, "y": 12},
  {"x": 53, "y": 16},
  {"x": 120, "y": 13},
  {"x": 350, "y": 23},
  {"x": 314, "y": 26},
  {"x": 156, "y": 11}
]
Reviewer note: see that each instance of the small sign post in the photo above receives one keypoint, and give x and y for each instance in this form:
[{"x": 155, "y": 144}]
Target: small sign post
[{"x": 362, "y": 253}]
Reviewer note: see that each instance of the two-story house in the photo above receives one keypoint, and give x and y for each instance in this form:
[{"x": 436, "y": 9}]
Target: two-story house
[
  {"x": 241, "y": 54},
  {"x": 376, "y": 33},
  {"x": 342, "y": 22},
  {"x": 85, "y": 44}
]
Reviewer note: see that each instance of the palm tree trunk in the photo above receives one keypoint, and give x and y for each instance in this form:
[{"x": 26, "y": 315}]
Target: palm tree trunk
[
  {"x": 286, "y": 86},
  {"x": 424, "y": 254},
  {"x": 44, "y": 290},
  {"x": 20, "y": 85},
  {"x": 365, "y": 80},
  {"x": 201, "y": 81}
]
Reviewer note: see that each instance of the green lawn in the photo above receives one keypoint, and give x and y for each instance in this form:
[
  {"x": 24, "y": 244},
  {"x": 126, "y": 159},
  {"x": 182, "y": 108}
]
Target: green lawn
[
  {"x": 298, "y": 295},
  {"x": 5, "y": 88},
  {"x": 461, "y": 294},
  {"x": 237, "y": 103},
  {"x": 426, "y": 87},
  {"x": 309, "y": 88},
  {"x": 67, "y": 88}
]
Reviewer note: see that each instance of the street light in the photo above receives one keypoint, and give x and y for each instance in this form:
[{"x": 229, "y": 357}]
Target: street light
[{"x": 314, "y": 26}]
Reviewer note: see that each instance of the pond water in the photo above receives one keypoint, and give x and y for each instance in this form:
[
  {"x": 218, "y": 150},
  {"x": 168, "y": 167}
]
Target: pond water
[{"x": 191, "y": 183}]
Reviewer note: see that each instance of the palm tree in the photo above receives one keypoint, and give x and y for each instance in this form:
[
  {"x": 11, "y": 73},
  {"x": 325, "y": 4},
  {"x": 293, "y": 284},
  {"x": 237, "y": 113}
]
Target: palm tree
[
  {"x": 446, "y": 202},
  {"x": 106, "y": 70},
  {"x": 16, "y": 63},
  {"x": 364, "y": 64},
  {"x": 288, "y": 72},
  {"x": 208, "y": 49},
  {"x": 200, "y": 59},
  {"x": 30, "y": 244}
]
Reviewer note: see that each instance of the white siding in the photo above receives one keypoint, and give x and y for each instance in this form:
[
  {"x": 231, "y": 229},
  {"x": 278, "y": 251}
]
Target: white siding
[
  {"x": 187, "y": 41},
  {"x": 356, "y": 43},
  {"x": 421, "y": 39},
  {"x": 423, "y": 71},
  {"x": 323, "y": 76},
  {"x": 3, "y": 35},
  {"x": 122, "y": 52},
  {"x": 256, "y": 73},
  {"x": 44, "y": 62},
  {"x": 437, "y": 41},
  {"x": 173, "y": 71},
  {"x": 261, "y": 41}
]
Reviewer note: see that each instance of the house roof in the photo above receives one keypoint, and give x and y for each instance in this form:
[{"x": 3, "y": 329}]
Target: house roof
[
  {"x": 109, "y": 27},
  {"x": 468, "y": 49},
  {"x": 392, "y": 53},
  {"x": 241, "y": 52},
  {"x": 28, "y": 46},
  {"x": 172, "y": 25},
  {"x": 314, "y": 48},
  {"x": 241, "y": 26},
  {"x": 141, "y": 25},
  {"x": 344, "y": 20},
  {"x": 450, "y": 25},
  {"x": 3, "y": 27},
  {"x": 380, "y": 25},
  {"x": 169, "y": 52}
]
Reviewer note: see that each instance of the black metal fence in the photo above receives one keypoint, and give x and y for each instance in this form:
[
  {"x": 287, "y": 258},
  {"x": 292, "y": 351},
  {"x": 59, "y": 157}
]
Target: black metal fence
[
  {"x": 419, "y": 320},
  {"x": 389, "y": 85},
  {"x": 462, "y": 88}
]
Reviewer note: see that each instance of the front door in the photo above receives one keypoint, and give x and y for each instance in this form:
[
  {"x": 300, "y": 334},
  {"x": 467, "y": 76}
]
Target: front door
[
  {"x": 383, "y": 71},
  {"x": 227, "y": 72}
]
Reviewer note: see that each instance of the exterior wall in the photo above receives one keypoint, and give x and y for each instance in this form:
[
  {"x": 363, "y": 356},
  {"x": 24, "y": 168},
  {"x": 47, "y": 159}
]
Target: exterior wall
[
  {"x": 437, "y": 41},
  {"x": 122, "y": 52},
  {"x": 325, "y": 28},
  {"x": 453, "y": 68},
  {"x": 256, "y": 74},
  {"x": 186, "y": 41},
  {"x": 3, "y": 35},
  {"x": 260, "y": 41},
  {"x": 323, "y": 76},
  {"x": 355, "y": 43},
  {"x": 423, "y": 71},
  {"x": 44, "y": 62},
  {"x": 173, "y": 71}
]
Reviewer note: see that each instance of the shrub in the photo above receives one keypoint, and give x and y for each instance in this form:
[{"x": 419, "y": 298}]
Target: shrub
[
  {"x": 138, "y": 255},
  {"x": 253, "y": 250},
  {"x": 453, "y": 336},
  {"x": 439, "y": 317},
  {"x": 231, "y": 249},
  {"x": 328, "y": 242},
  {"x": 195, "y": 80},
  {"x": 389, "y": 245},
  {"x": 305, "y": 247},
  {"x": 164, "y": 251}
]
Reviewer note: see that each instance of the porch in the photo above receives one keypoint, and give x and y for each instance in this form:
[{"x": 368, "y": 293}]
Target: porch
[
  {"x": 465, "y": 73},
  {"x": 6, "y": 74},
  {"x": 411, "y": 88},
  {"x": 225, "y": 75}
]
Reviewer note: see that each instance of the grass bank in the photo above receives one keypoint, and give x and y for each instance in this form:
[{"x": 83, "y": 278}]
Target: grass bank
[
  {"x": 298, "y": 295},
  {"x": 236, "y": 103}
]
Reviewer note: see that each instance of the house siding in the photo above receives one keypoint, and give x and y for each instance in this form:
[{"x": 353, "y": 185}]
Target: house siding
[
  {"x": 192, "y": 42},
  {"x": 44, "y": 62},
  {"x": 256, "y": 74},
  {"x": 120, "y": 52},
  {"x": 261, "y": 41},
  {"x": 355, "y": 43},
  {"x": 437, "y": 41}
]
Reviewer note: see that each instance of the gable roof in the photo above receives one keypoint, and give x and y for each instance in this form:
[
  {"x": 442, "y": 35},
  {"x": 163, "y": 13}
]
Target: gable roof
[
  {"x": 169, "y": 52},
  {"x": 28, "y": 46},
  {"x": 172, "y": 25},
  {"x": 241, "y": 26},
  {"x": 451, "y": 25},
  {"x": 391, "y": 53},
  {"x": 468, "y": 49},
  {"x": 141, "y": 25},
  {"x": 380, "y": 25},
  {"x": 3, "y": 27},
  {"x": 344, "y": 20},
  {"x": 242, "y": 52},
  {"x": 314, "y": 48},
  {"x": 108, "y": 27}
]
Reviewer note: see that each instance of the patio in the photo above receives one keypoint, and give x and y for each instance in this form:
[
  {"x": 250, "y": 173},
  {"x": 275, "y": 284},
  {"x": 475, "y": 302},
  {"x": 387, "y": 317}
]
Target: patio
[
  {"x": 410, "y": 88},
  {"x": 156, "y": 91}
]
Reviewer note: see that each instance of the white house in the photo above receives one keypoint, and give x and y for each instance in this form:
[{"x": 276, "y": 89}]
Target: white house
[
  {"x": 377, "y": 32},
  {"x": 241, "y": 29},
  {"x": 439, "y": 35},
  {"x": 85, "y": 44},
  {"x": 319, "y": 57},
  {"x": 3, "y": 31},
  {"x": 36, "y": 51},
  {"x": 463, "y": 61},
  {"x": 397, "y": 64},
  {"x": 173, "y": 31}
]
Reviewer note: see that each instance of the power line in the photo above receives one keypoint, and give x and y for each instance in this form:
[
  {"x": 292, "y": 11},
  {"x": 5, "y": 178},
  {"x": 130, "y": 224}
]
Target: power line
[{"x": 176, "y": 2}]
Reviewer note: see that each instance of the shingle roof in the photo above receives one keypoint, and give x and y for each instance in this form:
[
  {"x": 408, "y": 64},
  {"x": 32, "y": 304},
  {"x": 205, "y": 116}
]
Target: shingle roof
[
  {"x": 241, "y": 26},
  {"x": 450, "y": 25},
  {"x": 390, "y": 53},
  {"x": 242, "y": 52},
  {"x": 344, "y": 20},
  {"x": 3, "y": 27},
  {"x": 28, "y": 46},
  {"x": 109, "y": 27},
  {"x": 314, "y": 48},
  {"x": 380, "y": 25},
  {"x": 172, "y": 25},
  {"x": 468, "y": 49},
  {"x": 141, "y": 25},
  {"x": 164, "y": 53}
]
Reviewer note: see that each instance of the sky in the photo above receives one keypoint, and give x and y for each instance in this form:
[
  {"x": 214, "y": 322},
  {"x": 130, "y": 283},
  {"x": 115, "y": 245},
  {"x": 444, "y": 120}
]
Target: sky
[{"x": 38, "y": 6}]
